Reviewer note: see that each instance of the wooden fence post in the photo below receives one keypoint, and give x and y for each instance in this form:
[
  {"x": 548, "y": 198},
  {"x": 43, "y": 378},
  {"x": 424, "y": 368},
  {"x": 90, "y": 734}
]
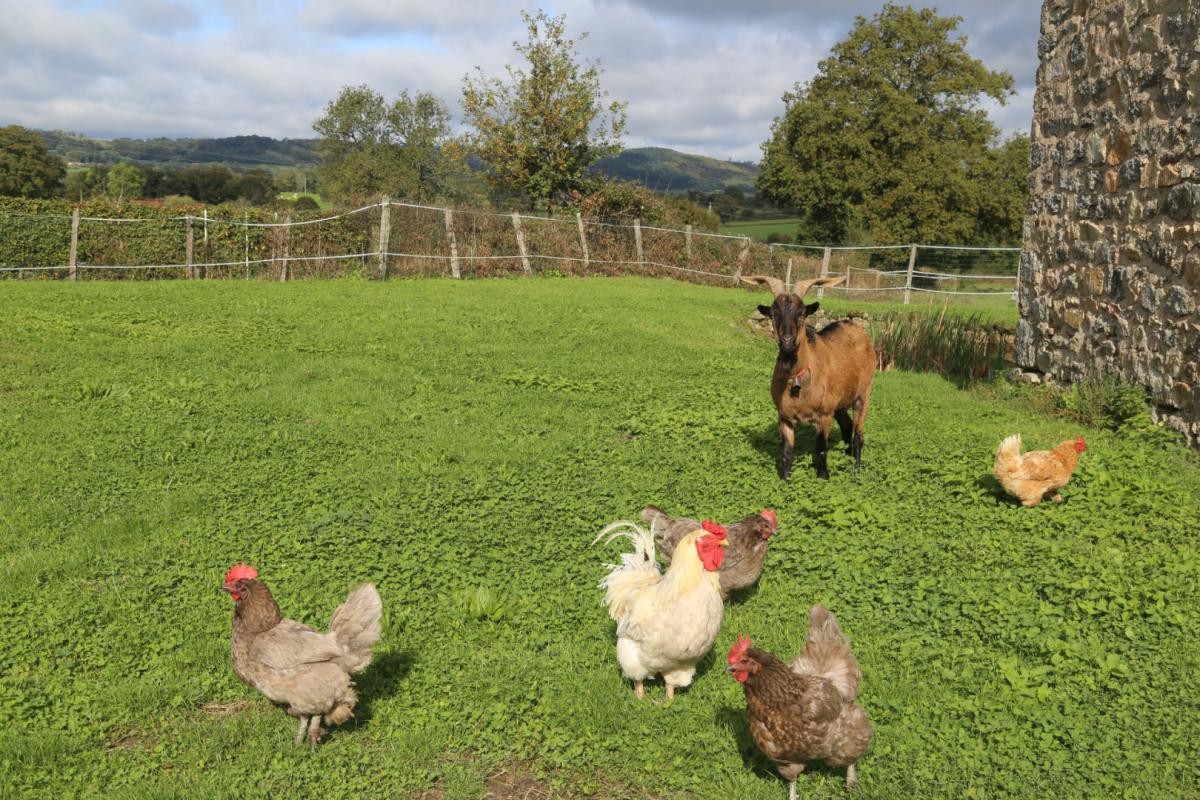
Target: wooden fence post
[
  {"x": 521, "y": 243},
  {"x": 743, "y": 254},
  {"x": 824, "y": 270},
  {"x": 204, "y": 266},
  {"x": 287, "y": 230},
  {"x": 454, "y": 269},
  {"x": 246, "y": 231},
  {"x": 687, "y": 242},
  {"x": 189, "y": 249},
  {"x": 582, "y": 240},
  {"x": 385, "y": 233},
  {"x": 72, "y": 263},
  {"x": 637, "y": 240},
  {"x": 912, "y": 260}
]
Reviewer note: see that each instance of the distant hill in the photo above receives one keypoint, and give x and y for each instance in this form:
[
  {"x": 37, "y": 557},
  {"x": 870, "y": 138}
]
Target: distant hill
[
  {"x": 239, "y": 152},
  {"x": 656, "y": 168},
  {"x": 664, "y": 170}
]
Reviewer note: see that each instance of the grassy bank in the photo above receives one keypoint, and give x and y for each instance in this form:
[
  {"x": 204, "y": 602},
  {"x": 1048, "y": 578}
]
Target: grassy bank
[{"x": 437, "y": 436}]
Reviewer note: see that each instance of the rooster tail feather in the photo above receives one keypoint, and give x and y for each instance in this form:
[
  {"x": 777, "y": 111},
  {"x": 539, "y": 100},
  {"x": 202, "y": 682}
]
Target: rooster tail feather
[
  {"x": 636, "y": 570},
  {"x": 1008, "y": 455},
  {"x": 355, "y": 624},
  {"x": 827, "y": 654},
  {"x": 642, "y": 538}
]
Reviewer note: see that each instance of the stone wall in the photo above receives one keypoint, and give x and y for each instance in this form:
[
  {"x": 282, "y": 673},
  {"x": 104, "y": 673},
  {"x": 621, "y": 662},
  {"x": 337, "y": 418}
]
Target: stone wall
[{"x": 1111, "y": 268}]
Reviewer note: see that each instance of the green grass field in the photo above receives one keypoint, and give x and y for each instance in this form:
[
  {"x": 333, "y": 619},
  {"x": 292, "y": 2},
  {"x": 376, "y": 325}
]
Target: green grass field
[
  {"x": 761, "y": 228},
  {"x": 437, "y": 436}
]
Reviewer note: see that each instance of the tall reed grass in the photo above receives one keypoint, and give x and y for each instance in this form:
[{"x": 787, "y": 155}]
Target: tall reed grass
[{"x": 961, "y": 349}]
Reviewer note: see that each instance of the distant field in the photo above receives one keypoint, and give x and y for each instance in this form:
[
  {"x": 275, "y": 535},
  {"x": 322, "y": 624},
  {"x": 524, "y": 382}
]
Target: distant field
[
  {"x": 761, "y": 228},
  {"x": 294, "y": 196}
]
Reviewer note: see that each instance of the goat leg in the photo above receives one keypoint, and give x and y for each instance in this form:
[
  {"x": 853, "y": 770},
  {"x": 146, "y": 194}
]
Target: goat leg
[
  {"x": 860, "y": 420},
  {"x": 856, "y": 449},
  {"x": 789, "y": 442},
  {"x": 847, "y": 429},
  {"x": 821, "y": 450}
]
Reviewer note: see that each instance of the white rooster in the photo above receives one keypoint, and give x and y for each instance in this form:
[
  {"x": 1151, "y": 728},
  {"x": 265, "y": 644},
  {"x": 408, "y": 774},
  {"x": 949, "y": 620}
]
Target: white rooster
[{"x": 665, "y": 623}]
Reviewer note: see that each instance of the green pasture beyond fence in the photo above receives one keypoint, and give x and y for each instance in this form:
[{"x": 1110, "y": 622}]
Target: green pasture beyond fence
[{"x": 52, "y": 239}]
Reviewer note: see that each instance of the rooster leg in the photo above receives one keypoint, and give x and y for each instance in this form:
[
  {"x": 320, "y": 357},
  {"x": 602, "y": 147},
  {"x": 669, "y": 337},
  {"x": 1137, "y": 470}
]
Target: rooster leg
[
  {"x": 792, "y": 789},
  {"x": 300, "y": 733},
  {"x": 670, "y": 692},
  {"x": 314, "y": 730},
  {"x": 1058, "y": 498},
  {"x": 851, "y": 777},
  {"x": 639, "y": 691}
]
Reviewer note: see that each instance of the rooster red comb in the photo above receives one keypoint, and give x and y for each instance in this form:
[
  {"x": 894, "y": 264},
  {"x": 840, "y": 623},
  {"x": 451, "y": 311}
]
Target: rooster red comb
[
  {"x": 239, "y": 572},
  {"x": 738, "y": 651},
  {"x": 1080, "y": 445},
  {"x": 713, "y": 528},
  {"x": 770, "y": 517}
]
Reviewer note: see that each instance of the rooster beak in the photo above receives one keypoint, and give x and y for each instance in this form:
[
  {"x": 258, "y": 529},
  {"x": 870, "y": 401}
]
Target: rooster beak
[{"x": 723, "y": 542}]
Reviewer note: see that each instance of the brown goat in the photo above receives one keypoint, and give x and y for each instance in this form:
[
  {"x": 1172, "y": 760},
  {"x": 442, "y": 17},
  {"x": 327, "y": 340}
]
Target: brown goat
[{"x": 819, "y": 376}]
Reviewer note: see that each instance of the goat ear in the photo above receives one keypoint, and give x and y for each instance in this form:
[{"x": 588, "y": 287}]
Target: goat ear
[
  {"x": 811, "y": 308},
  {"x": 764, "y": 310}
]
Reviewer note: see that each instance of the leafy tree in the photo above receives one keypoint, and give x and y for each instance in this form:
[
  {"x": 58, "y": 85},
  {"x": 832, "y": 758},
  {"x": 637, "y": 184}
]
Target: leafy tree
[
  {"x": 156, "y": 181},
  {"x": 256, "y": 187},
  {"x": 27, "y": 169},
  {"x": 371, "y": 147},
  {"x": 85, "y": 182},
  {"x": 1001, "y": 181},
  {"x": 125, "y": 182},
  {"x": 540, "y": 131},
  {"x": 888, "y": 140}
]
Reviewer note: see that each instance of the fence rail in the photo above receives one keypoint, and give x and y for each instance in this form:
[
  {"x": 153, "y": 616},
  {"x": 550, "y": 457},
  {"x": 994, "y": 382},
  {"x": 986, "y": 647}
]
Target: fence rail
[{"x": 391, "y": 238}]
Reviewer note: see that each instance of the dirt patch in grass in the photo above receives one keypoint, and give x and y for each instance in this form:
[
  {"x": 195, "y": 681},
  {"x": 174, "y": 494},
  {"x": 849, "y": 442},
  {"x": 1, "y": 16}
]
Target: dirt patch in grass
[{"x": 226, "y": 709}]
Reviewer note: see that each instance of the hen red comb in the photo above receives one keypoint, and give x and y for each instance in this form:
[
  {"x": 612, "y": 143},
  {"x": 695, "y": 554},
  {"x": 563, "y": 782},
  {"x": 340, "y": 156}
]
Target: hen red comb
[
  {"x": 240, "y": 571},
  {"x": 713, "y": 528},
  {"x": 770, "y": 517},
  {"x": 738, "y": 651}
]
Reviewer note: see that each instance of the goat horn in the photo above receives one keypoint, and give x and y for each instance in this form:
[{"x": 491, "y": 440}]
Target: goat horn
[
  {"x": 803, "y": 286},
  {"x": 774, "y": 283}
]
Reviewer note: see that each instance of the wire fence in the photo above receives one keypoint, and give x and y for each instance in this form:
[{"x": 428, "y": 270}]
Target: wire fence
[{"x": 390, "y": 239}]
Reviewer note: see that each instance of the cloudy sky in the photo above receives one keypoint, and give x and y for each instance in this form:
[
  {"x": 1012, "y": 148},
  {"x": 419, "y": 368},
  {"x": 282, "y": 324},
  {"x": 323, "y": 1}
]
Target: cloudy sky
[{"x": 701, "y": 76}]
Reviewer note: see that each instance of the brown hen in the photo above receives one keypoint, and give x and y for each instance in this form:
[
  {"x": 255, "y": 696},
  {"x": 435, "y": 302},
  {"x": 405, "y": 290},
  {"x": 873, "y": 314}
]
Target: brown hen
[
  {"x": 805, "y": 712},
  {"x": 744, "y": 556},
  {"x": 304, "y": 670}
]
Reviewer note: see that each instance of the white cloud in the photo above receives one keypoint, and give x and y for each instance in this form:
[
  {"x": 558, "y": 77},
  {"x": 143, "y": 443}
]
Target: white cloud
[{"x": 699, "y": 75}]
